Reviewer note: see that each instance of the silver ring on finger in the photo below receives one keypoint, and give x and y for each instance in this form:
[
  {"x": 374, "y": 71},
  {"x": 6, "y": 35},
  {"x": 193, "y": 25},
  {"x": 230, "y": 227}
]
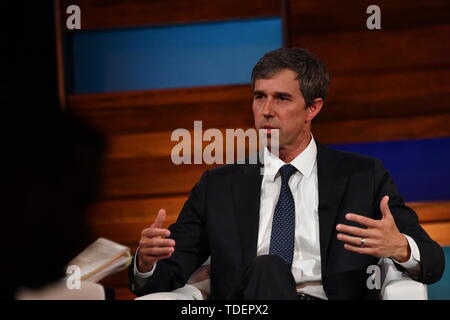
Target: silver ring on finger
[{"x": 362, "y": 243}]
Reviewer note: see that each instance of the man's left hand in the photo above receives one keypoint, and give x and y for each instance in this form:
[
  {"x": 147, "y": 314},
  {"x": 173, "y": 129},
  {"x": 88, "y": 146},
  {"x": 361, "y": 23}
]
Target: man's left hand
[{"x": 381, "y": 238}]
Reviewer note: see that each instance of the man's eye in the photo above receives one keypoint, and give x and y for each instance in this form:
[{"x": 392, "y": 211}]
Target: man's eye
[{"x": 258, "y": 97}]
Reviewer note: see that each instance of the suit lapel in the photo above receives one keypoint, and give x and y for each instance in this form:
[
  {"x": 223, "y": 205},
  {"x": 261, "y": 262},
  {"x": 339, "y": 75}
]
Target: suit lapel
[
  {"x": 332, "y": 183},
  {"x": 246, "y": 197}
]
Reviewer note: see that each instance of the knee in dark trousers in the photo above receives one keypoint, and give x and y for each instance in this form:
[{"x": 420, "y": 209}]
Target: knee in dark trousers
[{"x": 269, "y": 277}]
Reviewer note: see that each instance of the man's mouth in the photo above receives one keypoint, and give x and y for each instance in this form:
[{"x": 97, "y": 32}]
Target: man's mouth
[{"x": 268, "y": 128}]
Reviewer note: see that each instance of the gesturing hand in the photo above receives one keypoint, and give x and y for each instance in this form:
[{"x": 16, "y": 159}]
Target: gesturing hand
[
  {"x": 381, "y": 238},
  {"x": 153, "y": 245}
]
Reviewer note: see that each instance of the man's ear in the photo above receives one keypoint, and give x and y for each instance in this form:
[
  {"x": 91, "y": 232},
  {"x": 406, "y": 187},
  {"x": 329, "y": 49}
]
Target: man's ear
[{"x": 314, "y": 109}]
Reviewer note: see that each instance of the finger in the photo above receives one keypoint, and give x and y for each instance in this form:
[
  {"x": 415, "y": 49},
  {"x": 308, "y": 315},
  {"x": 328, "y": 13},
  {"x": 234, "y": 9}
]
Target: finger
[
  {"x": 155, "y": 251},
  {"x": 371, "y": 223},
  {"x": 152, "y": 259},
  {"x": 163, "y": 242},
  {"x": 353, "y": 240},
  {"x": 384, "y": 207},
  {"x": 160, "y": 219},
  {"x": 155, "y": 232},
  {"x": 356, "y": 231},
  {"x": 156, "y": 242},
  {"x": 360, "y": 250},
  {"x": 165, "y": 257}
]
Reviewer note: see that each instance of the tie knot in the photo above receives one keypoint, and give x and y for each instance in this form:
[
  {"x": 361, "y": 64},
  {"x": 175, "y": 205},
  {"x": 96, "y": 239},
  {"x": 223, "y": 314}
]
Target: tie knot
[{"x": 287, "y": 171}]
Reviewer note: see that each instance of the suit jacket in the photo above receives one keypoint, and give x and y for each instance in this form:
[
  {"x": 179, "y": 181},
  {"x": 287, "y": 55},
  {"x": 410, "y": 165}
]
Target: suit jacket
[{"x": 221, "y": 218}]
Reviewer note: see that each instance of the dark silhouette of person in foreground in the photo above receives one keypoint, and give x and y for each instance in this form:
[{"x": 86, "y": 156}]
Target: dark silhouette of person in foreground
[{"x": 51, "y": 176}]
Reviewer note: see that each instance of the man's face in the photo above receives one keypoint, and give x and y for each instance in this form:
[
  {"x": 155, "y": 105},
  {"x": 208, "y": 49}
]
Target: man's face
[{"x": 278, "y": 103}]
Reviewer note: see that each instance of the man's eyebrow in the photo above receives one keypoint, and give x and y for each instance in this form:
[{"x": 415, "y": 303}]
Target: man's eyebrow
[
  {"x": 277, "y": 93},
  {"x": 258, "y": 92},
  {"x": 283, "y": 94}
]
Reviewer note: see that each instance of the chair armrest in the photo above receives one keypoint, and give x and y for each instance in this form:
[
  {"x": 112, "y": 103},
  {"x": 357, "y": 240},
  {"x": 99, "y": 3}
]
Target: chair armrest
[
  {"x": 188, "y": 292},
  {"x": 397, "y": 285},
  {"x": 405, "y": 290},
  {"x": 197, "y": 287}
]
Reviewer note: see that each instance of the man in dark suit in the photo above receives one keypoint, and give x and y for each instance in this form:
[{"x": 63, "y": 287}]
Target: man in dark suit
[{"x": 308, "y": 228}]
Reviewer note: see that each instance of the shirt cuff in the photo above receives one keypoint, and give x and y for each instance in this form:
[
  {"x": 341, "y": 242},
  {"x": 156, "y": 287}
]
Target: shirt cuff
[
  {"x": 413, "y": 264},
  {"x": 140, "y": 277}
]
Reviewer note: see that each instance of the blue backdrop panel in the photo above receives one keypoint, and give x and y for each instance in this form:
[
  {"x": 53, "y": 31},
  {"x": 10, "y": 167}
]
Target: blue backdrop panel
[
  {"x": 441, "y": 289},
  {"x": 420, "y": 168},
  {"x": 171, "y": 56}
]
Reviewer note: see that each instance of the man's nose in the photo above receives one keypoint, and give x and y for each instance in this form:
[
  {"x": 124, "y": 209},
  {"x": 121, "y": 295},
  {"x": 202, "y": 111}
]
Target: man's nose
[{"x": 268, "y": 109}]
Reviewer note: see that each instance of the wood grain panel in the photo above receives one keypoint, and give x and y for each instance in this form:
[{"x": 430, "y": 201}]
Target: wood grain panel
[
  {"x": 384, "y": 50},
  {"x": 419, "y": 92},
  {"x": 104, "y": 14},
  {"x": 198, "y": 101},
  {"x": 158, "y": 144},
  {"x": 148, "y": 177},
  {"x": 211, "y": 95},
  {"x": 384, "y": 95},
  {"x": 156, "y": 110},
  {"x": 135, "y": 210},
  {"x": 327, "y": 16},
  {"x": 140, "y": 145},
  {"x": 413, "y": 35},
  {"x": 439, "y": 232},
  {"x": 127, "y": 234},
  {"x": 433, "y": 211},
  {"x": 383, "y": 129}
]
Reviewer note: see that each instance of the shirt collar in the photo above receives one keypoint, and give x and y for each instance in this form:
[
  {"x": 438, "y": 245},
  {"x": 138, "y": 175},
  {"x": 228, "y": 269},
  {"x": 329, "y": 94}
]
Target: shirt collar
[{"x": 304, "y": 162}]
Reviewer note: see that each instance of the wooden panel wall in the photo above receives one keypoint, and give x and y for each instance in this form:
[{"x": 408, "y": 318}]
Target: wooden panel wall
[
  {"x": 397, "y": 72},
  {"x": 105, "y": 14},
  {"x": 386, "y": 84}
]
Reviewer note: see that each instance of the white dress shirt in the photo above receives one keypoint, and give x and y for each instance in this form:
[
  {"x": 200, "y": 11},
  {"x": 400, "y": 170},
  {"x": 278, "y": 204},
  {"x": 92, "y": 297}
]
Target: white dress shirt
[{"x": 306, "y": 265}]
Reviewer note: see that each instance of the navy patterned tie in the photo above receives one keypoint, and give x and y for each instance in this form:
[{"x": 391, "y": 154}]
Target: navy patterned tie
[{"x": 283, "y": 225}]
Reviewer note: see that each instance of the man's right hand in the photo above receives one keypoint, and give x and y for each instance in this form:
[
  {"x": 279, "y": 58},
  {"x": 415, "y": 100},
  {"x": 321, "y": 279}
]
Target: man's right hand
[{"x": 153, "y": 245}]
